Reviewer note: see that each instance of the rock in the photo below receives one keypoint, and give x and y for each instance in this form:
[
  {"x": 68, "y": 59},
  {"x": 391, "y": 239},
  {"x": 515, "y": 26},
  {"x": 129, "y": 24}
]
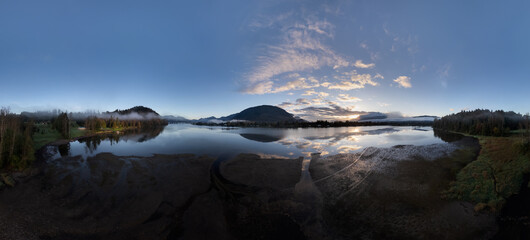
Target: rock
[{"x": 8, "y": 180}]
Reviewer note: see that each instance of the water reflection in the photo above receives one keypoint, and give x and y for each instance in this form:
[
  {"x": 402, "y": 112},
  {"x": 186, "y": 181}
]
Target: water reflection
[
  {"x": 334, "y": 136},
  {"x": 186, "y": 138},
  {"x": 447, "y": 136},
  {"x": 91, "y": 143},
  {"x": 261, "y": 137},
  {"x": 64, "y": 150}
]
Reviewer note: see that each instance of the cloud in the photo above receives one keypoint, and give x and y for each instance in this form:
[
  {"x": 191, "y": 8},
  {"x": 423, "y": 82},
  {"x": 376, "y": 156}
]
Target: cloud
[
  {"x": 313, "y": 92},
  {"x": 360, "y": 64},
  {"x": 403, "y": 81},
  {"x": 297, "y": 84},
  {"x": 285, "y": 105},
  {"x": 318, "y": 101},
  {"x": 353, "y": 80},
  {"x": 320, "y": 27},
  {"x": 363, "y": 45},
  {"x": 348, "y": 98},
  {"x": 322, "y": 109},
  {"x": 331, "y": 112},
  {"x": 309, "y": 93},
  {"x": 300, "y": 50},
  {"x": 302, "y": 101},
  {"x": 259, "y": 88},
  {"x": 325, "y": 84},
  {"x": 334, "y": 112}
]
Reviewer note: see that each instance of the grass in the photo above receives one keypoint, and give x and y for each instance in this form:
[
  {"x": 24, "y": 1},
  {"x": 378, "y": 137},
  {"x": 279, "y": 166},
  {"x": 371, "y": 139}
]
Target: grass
[
  {"x": 44, "y": 134},
  {"x": 76, "y": 132},
  {"x": 496, "y": 175}
]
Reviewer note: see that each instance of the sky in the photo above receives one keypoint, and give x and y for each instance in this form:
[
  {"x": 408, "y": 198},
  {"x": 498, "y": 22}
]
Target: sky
[{"x": 316, "y": 59}]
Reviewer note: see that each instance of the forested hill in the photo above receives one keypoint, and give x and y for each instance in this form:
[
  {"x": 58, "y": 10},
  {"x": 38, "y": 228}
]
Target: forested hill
[
  {"x": 483, "y": 122},
  {"x": 138, "y": 109},
  {"x": 264, "y": 113}
]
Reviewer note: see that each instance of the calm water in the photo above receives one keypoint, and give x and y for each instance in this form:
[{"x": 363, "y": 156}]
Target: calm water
[{"x": 186, "y": 138}]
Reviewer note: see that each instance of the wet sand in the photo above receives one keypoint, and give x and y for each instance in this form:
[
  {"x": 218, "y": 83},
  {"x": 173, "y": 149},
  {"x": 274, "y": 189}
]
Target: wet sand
[{"x": 379, "y": 193}]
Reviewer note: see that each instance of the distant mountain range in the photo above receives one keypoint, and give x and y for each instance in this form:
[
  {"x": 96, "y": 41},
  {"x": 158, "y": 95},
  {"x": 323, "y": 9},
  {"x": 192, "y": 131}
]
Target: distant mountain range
[
  {"x": 175, "y": 119},
  {"x": 392, "y": 117},
  {"x": 269, "y": 114},
  {"x": 401, "y": 119},
  {"x": 260, "y": 114}
]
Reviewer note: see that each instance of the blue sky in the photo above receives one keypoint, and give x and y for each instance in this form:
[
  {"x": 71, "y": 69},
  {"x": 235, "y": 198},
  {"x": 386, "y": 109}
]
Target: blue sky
[{"x": 317, "y": 59}]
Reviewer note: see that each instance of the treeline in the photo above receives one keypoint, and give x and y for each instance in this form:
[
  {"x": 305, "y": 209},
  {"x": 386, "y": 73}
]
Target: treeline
[
  {"x": 483, "y": 122},
  {"x": 97, "y": 124},
  {"x": 17, "y": 131},
  {"x": 316, "y": 124},
  {"x": 16, "y": 143}
]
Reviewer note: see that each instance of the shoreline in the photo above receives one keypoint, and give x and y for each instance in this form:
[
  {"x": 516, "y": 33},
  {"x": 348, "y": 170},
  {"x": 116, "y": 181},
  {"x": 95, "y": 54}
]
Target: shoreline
[
  {"x": 58, "y": 142},
  {"x": 41, "y": 155},
  {"x": 404, "y": 182},
  {"x": 176, "y": 193}
]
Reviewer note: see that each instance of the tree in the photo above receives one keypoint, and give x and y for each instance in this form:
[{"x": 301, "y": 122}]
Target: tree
[
  {"x": 482, "y": 122},
  {"x": 14, "y": 125},
  {"x": 62, "y": 124},
  {"x": 526, "y": 123},
  {"x": 3, "y": 115},
  {"x": 28, "y": 153}
]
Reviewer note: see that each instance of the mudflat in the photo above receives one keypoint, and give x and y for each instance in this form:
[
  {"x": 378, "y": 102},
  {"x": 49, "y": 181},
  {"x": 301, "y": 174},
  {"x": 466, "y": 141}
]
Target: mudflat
[{"x": 374, "y": 194}]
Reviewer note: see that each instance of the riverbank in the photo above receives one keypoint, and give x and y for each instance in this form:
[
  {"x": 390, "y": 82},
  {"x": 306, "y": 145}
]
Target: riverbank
[
  {"x": 396, "y": 193},
  {"x": 45, "y": 135},
  {"x": 383, "y": 192},
  {"x": 497, "y": 174},
  {"x": 498, "y": 182}
]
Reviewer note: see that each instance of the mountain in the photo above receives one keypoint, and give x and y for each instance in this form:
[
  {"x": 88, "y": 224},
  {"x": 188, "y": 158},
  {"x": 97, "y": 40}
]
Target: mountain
[
  {"x": 175, "y": 119},
  {"x": 211, "y": 119},
  {"x": 263, "y": 113}
]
